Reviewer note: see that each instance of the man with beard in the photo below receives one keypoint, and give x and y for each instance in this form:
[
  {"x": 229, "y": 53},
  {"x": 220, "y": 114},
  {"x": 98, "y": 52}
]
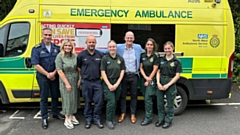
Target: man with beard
[{"x": 88, "y": 62}]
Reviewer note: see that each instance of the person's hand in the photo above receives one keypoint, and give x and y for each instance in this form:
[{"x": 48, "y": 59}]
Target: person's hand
[
  {"x": 115, "y": 86},
  {"x": 79, "y": 83},
  {"x": 148, "y": 79},
  {"x": 68, "y": 88},
  {"x": 160, "y": 87},
  {"x": 111, "y": 87},
  {"x": 52, "y": 78},
  {"x": 166, "y": 86},
  {"x": 146, "y": 83}
]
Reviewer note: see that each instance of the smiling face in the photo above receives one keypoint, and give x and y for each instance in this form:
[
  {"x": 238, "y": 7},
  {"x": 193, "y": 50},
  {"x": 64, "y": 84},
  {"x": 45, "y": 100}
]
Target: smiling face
[
  {"x": 91, "y": 43},
  {"x": 67, "y": 47},
  {"x": 112, "y": 47},
  {"x": 168, "y": 48},
  {"x": 47, "y": 36},
  {"x": 149, "y": 46},
  {"x": 129, "y": 38}
]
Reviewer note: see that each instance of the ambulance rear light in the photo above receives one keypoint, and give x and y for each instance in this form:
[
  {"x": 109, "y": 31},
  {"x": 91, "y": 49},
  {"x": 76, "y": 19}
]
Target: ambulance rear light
[{"x": 230, "y": 66}]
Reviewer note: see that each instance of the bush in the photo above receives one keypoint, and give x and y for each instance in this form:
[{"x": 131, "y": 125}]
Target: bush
[{"x": 235, "y": 7}]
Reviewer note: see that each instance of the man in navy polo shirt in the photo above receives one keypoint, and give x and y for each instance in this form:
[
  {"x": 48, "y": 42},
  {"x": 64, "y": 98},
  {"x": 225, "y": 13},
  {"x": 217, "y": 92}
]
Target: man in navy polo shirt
[{"x": 88, "y": 62}]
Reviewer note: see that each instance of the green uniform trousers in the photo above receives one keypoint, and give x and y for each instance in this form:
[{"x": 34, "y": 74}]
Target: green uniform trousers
[
  {"x": 170, "y": 95},
  {"x": 148, "y": 93},
  {"x": 111, "y": 97}
]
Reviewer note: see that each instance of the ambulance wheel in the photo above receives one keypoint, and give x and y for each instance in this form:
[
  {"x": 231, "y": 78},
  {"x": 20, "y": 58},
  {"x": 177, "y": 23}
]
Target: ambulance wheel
[{"x": 181, "y": 101}]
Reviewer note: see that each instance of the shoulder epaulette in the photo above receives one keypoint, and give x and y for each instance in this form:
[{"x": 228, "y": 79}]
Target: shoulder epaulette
[
  {"x": 38, "y": 45},
  {"x": 56, "y": 45}
]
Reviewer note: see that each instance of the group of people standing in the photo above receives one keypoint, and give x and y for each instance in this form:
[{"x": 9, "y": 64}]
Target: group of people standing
[{"x": 119, "y": 70}]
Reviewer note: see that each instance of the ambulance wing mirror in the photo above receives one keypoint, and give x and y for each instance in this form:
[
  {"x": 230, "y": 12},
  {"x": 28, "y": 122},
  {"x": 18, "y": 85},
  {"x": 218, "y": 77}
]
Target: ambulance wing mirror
[
  {"x": 1, "y": 50},
  {"x": 28, "y": 62},
  {"x": 161, "y": 54}
]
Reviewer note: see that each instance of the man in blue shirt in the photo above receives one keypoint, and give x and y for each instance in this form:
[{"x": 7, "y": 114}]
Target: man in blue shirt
[
  {"x": 88, "y": 62},
  {"x": 43, "y": 57},
  {"x": 131, "y": 54}
]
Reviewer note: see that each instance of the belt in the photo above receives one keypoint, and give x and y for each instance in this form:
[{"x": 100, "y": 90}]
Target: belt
[
  {"x": 130, "y": 73},
  {"x": 92, "y": 80},
  {"x": 165, "y": 76}
]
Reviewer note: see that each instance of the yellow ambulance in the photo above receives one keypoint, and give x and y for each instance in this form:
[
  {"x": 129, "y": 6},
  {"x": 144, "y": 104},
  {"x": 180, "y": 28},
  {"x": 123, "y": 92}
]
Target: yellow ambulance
[{"x": 202, "y": 31}]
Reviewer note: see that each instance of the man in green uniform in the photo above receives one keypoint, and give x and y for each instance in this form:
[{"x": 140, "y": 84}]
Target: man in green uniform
[
  {"x": 112, "y": 71},
  {"x": 169, "y": 72}
]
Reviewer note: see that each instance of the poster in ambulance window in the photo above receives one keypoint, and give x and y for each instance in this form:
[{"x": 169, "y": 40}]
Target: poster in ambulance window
[{"x": 78, "y": 32}]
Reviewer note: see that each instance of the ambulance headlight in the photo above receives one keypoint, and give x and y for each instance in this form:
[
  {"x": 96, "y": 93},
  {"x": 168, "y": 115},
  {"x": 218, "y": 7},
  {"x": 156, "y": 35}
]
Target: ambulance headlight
[{"x": 218, "y": 1}]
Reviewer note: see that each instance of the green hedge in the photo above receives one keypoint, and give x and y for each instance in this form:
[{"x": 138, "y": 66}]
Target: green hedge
[{"x": 235, "y": 7}]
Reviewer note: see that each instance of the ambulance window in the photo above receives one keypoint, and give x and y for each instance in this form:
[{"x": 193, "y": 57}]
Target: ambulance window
[
  {"x": 17, "y": 39},
  {"x": 3, "y": 33}
]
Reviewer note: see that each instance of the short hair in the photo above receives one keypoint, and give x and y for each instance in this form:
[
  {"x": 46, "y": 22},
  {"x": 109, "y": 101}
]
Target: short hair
[
  {"x": 91, "y": 36},
  {"x": 46, "y": 29}
]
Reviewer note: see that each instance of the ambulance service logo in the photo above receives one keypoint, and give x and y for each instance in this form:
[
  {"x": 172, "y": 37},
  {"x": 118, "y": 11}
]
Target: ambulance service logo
[
  {"x": 172, "y": 64},
  {"x": 214, "y": 42},
  {"x": 151, "y": 60},
  {"x": 119, "y": 62}
]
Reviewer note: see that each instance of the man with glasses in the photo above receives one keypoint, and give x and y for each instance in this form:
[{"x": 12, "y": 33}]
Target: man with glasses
[
  {"x": 131, "y": 54},
  {"x": 43, "y": 57}
]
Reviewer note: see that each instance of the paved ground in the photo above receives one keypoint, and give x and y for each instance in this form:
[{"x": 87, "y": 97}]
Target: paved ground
[{"x": 198, "y": 119}]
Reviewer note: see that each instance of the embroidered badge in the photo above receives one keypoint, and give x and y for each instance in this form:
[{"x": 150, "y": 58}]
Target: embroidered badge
[
  {"x": 55, "y": 50},
  {"x": 162, "y": 62},
  {"x": 172, "y": 64},
  {"x": 98, "y": 59},
  {"x": 42, "y": 52},
  {"x": 151, "y": 60},
  {"x": 143, "y": 58},
  {"x": 108, "y": 62},
  {"x": 119, "y": 62}
]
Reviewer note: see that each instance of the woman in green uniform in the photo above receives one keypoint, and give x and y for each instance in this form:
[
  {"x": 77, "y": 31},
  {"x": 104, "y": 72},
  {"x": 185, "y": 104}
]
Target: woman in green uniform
[
  {"x": 149, "y": 62},
  {"x": 112, "y": 71},
  {"x": 66, "y": 65},
  {"x": 169, "y": 72}
]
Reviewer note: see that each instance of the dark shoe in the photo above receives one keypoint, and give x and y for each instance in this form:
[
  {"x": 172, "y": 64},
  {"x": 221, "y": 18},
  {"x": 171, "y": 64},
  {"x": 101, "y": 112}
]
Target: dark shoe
[
  {"x": 44, "y": 123},
  {"x": 122, "y": 117},
  {"x": 59, "y": 117},
  {"x": 159, "y": 123},
  {"x": 110, "y": 125},
  {"x": 98, "y": 124},
  {"x": 146, "y": 122},
  {"x": 88, "y": 125},
  {"x": 114, "y": 122},
  {"x": 166, "y": 125}
]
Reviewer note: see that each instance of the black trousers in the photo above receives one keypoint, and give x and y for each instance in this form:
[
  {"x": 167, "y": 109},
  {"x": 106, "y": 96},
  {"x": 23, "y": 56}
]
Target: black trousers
[{"x": 130, "y": 81}]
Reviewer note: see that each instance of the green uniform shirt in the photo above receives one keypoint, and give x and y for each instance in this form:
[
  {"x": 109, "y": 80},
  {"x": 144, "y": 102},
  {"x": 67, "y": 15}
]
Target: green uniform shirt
[
  {"x": 112, "y": 66},
  {"x": 171, "y": 67},
  {"x": 149, "y": 62}
]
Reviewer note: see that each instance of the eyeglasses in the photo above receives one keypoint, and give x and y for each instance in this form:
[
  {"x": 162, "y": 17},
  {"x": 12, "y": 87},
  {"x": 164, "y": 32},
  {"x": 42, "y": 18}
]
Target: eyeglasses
[
  {"x": 129, "y": 38},
  {"x": 48, "y": 35}
]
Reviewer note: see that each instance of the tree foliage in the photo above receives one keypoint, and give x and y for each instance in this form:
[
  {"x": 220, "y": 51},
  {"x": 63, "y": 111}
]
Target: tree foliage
[
  {"x": 5, "y": 7},
  {"x": 235, "y": 7}
]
